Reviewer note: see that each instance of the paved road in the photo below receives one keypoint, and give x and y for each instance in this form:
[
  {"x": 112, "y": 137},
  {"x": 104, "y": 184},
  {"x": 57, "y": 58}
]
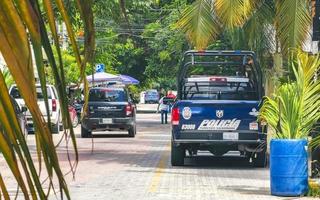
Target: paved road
[{"x": 139, "y": 168}]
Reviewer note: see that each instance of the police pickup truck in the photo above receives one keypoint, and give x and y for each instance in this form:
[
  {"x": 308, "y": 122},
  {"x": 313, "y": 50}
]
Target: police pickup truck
[{"x": 219, "y": 93}]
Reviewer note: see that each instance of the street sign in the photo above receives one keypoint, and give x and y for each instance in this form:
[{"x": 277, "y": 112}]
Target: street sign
[{"x": 100, "y": 67}]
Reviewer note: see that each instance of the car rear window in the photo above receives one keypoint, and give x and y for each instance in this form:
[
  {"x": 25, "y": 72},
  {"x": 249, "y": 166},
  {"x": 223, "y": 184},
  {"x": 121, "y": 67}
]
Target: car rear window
[
  {"x": 16, "y": 94},
  {"x": 152, "y": 93},
  {"x": 107, "y": 95}
]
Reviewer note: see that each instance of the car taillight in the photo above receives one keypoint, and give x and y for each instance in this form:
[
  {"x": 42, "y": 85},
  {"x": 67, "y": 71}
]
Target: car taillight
[
  {"x": 175, "y": 117},
  {"x": 129, "y": 109},
  {"x": 54, "y": 105}
]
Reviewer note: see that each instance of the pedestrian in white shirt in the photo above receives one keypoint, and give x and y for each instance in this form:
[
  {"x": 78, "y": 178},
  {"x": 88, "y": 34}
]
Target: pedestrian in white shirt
[{"x": 164, "y": 109}]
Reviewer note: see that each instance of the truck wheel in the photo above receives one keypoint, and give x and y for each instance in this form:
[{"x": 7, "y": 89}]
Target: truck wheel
[
  {"x": 177, "y": 155},
  {"x": 56, "y": 128},
  {"x": 85, "y": 133},
  {"x": 260, "y": 159},
  {"x": 132, "y": 131}
]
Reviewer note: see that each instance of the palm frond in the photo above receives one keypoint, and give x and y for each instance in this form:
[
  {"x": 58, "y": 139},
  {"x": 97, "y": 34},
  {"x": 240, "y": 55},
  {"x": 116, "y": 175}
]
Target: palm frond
[
  {"x": 293, "y": 20},
  {"x": 23, "y": 30},
  {"x": 199, "y": 23},
  {"x": 234, "y": 13}
]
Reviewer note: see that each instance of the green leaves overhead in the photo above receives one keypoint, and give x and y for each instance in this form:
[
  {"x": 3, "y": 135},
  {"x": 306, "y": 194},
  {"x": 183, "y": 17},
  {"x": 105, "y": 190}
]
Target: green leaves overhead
[
  {"x": 234, "y": 13},
  {"x": 199, "y": 23},
  {"x": 293, "y": 20}
]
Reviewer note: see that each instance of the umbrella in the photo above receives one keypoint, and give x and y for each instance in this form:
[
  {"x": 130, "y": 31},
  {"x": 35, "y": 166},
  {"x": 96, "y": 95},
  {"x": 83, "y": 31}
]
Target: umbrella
[
  {"x": 102, "y": 77},
  {"x": 125, "y": 79}
]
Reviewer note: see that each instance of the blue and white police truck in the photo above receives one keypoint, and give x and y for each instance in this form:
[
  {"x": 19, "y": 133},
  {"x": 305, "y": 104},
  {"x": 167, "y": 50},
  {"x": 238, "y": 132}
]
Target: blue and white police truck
[{"x": 219, "y": 95}]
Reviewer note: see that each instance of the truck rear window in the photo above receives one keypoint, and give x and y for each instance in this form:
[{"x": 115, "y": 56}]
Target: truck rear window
[
  {"x": 222, "y": 89},
  {"x": 16, "y": 94},
  {"x": 108, "y": 95}
]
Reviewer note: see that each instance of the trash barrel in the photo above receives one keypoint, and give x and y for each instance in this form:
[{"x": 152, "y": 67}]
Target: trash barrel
[{"x": 288, "y": 167}]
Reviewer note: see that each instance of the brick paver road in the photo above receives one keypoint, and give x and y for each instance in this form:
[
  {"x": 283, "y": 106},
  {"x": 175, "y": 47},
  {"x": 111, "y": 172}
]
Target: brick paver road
[{"x": 139, "y": 168}]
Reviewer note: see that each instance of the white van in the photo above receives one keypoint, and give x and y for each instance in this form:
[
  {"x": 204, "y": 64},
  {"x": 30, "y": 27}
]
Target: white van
[{"x": 54, "y": 106}]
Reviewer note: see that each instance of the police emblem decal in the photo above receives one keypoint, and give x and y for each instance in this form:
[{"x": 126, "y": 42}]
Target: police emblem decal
[
  {"x": 219, "y": 113},
  {"x": 186, "y": 113}
]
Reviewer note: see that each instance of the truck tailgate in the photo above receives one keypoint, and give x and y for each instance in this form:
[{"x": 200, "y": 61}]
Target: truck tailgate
[
  {"x": 217, "y": 115},
  {"x": 107, "y": 109}
]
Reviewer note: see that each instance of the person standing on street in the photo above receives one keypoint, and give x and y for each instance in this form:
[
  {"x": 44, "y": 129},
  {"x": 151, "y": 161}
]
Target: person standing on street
[{"x": 164, "y": 109}]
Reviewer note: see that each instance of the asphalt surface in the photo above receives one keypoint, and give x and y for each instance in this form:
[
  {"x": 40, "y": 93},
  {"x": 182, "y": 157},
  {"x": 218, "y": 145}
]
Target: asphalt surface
[{"x": 114, "y": 166}]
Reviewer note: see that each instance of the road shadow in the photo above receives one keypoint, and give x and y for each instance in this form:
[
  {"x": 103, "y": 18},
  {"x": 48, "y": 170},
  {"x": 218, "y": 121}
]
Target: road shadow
[
  {"x": 218, "y": 162},
  {"x": 247, "y": 190}
]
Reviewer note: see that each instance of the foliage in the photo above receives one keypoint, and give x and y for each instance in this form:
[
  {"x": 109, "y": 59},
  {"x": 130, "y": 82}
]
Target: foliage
[
  {"x": 295, "y": 106},
  {"x": 165, "y": 53},
  {"x": 149, "y": 48},
  {"x": 199, "y": 23},
  {"x": 70, "y": 68},
  {"x": 291, "y": 22},
  {"x": 314, "y": 189},
  {"x": 7, "y": 77},
  {"x": 22, "y": 24}
]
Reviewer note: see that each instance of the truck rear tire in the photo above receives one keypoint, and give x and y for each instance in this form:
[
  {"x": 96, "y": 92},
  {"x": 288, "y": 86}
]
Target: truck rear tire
[
  {"x": 132, "y": 131},
  {"x": 56, "y": 128},
  {"x": 177, "y": 155},
  {"x": 260, "y": 160},
  {"x": 85, "y": 133}
]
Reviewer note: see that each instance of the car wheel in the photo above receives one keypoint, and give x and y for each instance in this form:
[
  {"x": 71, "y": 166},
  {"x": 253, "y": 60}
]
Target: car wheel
[
  {"x": 56, "y": 128},
  {"x": 132, "y": 131},
  {"x": 85, "y": 133},
  {"x": 177, "y": 155},
  {"x": 260, "y": 159}
]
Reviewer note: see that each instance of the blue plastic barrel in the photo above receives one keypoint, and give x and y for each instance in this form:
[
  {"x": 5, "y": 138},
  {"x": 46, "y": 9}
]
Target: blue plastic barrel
[{"x": 288, "y": 167}]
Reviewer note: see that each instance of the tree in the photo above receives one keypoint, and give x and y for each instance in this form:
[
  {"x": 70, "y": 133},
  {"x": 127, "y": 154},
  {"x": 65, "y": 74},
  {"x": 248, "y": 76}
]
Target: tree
[
  {"x": 21, "y": 24},
  {"x": 149, "y": 48},
  {"x": 204, "y": 20}
]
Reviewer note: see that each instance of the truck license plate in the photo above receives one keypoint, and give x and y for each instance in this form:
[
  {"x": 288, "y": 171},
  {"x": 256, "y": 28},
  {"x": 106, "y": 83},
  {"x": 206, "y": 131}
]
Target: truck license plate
[
  {"x": 106, "y": 121},
  {"x": 230, "y": 136}
]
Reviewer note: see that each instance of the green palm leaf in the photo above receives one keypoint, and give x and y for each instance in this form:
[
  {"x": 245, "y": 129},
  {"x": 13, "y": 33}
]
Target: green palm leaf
[
  {"x": 21, "y": 24},
  {"x": 234, "y": 13},
  {"x": 293, "y": 22},
  {"x": 295, "y": 108},
  {"x": 199, "y": 23}
]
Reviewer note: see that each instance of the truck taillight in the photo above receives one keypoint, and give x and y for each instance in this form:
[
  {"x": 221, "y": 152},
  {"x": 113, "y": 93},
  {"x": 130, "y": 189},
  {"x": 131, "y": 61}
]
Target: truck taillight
[
  {"x": 175, "y": 117},
  {"x": 218, "y": 79},
  {"x": 129, "y": 109},
  {"x": 54, "y": 105}
]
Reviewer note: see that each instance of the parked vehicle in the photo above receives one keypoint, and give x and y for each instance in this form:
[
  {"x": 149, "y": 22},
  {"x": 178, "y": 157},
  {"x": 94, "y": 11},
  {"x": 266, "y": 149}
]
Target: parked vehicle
[
  {"x": 109, "y": 109},
  {"x": 217, "y": 109},
  {"x": 151, "y": 96},
  {"x": 54, "y": 106},
  {"x": 20, "y": 112}
]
